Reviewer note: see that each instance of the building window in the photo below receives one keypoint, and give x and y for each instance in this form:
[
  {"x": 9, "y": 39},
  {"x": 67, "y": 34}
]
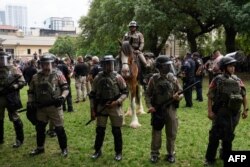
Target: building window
[
  {"x": 39, "y": 51},
  {"x": 28, "y": 51}
]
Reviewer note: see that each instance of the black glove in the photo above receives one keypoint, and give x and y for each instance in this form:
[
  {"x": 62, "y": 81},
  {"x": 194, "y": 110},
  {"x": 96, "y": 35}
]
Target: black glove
[{"x": 59, "y": 101}]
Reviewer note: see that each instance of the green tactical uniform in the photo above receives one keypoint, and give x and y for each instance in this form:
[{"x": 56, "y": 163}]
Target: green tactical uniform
[
  {"x": 160, "y": 90},
  {"x": 109, "y": 90},
  {"x": 9, "y": 97},
  {"x": 227, "y": 115},
  {"x": 48, "y": 90}
]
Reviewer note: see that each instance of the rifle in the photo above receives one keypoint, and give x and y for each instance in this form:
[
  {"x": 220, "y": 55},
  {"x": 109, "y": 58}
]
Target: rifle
[
  {"x": 103, "y": 108},
  {"x": 40, "y": 105},
  {"x": 6, "y": 88},
  {"x": 179, "y": 93}
]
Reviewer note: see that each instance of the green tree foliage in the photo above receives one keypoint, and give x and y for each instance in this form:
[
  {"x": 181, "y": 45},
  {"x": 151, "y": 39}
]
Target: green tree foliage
[
  {"x": 189, "y": 20},
  {"x": 64, "y": 45}
]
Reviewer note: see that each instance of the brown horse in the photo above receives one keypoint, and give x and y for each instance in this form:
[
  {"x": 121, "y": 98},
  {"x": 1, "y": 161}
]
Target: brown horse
[{"x": 129, "y": 71}]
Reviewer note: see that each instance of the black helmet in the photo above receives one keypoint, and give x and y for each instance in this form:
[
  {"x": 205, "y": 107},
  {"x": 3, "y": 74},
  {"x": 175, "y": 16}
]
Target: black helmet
[
  {"x": 88, "y": 57},
  {"x": 161, "y": 60},
  {"x": 133, "y": 24},
  {"x": 108, "y": 58},
  {"x": 107, "y": 63},
  {"x": 47, "y": 58},
  {"x": 226, "y": 61}
]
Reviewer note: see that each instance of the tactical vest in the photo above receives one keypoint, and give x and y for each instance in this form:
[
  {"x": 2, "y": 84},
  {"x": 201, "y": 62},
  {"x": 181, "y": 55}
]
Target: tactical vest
[
  {"x": 6, "y": 76},
  {"x": 107, "y": 87},
  {"x": 163, "y": 90},
  {"x": 229, "y": 92},
  {"x": 134, "y": 40},
  {"x": 47, "y": 88}
]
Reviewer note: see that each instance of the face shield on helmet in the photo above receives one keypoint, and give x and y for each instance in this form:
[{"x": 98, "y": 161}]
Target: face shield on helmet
[
  {"x": 108, "y": 66},
  {"x": 167, "y": 67},
  {"x": 46, "y": 62},
  {"x": 4, "y": 60}
]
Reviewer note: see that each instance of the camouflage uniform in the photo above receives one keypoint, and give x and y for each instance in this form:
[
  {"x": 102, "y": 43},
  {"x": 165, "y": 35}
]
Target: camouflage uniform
[
  {"x": 226, "y": 95},
  {"x": 10, "y": 100},
  {"x": 136, "y": 40},
  {"x": 161, "y": 88},
  {"x": 108, "y": 88},
  {"x": 226, "y": 119},
  {"x": 46, "y": 92}
]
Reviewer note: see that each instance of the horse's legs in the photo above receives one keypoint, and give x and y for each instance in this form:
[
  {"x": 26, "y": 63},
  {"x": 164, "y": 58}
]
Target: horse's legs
[
  {"x": 134, "y": 122},
  {"x": 139, "y": 106}
]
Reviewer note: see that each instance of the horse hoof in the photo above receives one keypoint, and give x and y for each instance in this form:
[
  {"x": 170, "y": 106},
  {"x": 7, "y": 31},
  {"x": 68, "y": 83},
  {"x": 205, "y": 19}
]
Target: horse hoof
[
  {"x": 141, "y": 112},
  {"x": 135, "y": 125}
]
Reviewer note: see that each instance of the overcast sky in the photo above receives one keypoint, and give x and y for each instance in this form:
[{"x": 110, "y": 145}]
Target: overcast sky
[{"x": 40, "y": 10}]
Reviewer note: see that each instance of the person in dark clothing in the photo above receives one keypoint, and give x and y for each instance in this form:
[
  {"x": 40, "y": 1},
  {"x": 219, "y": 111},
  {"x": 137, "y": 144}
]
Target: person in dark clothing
[
  {"x": 188, "y": 72},
  {"x": 30, "y": 71},
  {"x": 198, "y": 75},
  {"x": 96, "y": 68},
  {"x": 81, "y": 71},
  {"x": 226, "y": 95},
  {"x": 66, "y": 72}
]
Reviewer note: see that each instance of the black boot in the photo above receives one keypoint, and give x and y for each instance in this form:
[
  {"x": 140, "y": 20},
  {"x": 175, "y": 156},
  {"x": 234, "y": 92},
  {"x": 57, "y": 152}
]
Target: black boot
[
  {"x": 118, "y": 142},
  {"x": 1, "y": 131},
  {"x": 18, "y": 126},
  {"x": 100, "y": 133},
  {"x": 62, "y": 139}
]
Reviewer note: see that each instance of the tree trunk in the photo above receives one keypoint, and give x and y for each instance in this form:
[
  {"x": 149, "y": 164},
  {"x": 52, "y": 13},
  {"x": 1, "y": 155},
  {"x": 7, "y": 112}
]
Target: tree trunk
[
  {"x": 192, "y": 42},
  {"x": 230, "y": 38}
]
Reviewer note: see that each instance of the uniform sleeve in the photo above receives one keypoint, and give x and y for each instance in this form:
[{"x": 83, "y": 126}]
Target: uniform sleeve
[
  {"x": 62, "y": 82},
  {"x": 212, "y": 89},
  {"x": 123, "y": 88},
  {"x": 21, "y": 80},
  {"x": 141, "y": 42},
  {"x": 31, "y": 89},
  {"x": 149, "y": 92}
]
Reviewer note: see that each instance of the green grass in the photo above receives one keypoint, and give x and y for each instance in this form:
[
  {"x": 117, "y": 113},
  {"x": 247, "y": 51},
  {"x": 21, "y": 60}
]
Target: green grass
[{"x": 191, "y": 140}]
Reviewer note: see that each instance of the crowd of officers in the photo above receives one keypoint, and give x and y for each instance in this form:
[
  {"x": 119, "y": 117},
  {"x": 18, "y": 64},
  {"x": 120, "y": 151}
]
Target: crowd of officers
[{"x": 49, "y": 95}]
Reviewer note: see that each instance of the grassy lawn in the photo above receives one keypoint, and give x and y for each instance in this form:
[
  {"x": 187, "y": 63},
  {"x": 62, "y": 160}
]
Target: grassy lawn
[{"x": 191, "y": 140}]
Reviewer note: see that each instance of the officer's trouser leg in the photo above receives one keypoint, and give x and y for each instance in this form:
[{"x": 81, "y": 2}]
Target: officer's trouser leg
[
  {"x": 143, "y": 60},
  {"x": 78, "y": 89},
  {"x": 69, "y": 101},
  {"x": 156, "y": 142},
  {"x": 100, "y": 133},
  {"x": 1, "y": 131},
  {"x": 62, "y": 137},
  {"x": 212, "y": 146},
  {"x": 40, "y": 134},
  {"x": 18, "y": 126},
  {"x": 171, "y": 130},
  {"x": 117, "y": 139}
]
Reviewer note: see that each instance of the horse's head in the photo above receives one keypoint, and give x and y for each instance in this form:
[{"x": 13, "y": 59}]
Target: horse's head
[{"x": 127, "y": 58}]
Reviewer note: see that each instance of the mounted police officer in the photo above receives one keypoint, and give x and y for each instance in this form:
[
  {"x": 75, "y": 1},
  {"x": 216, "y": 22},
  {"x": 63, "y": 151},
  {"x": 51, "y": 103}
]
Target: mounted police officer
[
  {"x": 108, "y": 92},
  {"x": 11, "y": 81},
  {"x": 136, "y": 40},
  {"x": 162, "y": 99},
  {"x": 47, "y": 92},
  {"x": 226, "y": 95}
]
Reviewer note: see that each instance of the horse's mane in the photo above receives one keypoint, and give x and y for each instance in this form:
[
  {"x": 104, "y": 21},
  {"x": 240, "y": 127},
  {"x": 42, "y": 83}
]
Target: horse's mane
[{"x": 126, "y": 48}]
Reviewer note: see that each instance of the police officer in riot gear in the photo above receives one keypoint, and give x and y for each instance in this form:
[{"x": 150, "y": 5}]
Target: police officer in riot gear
[
  {"x": 47, "y": 92},
  {"x": 108, "y": 92},
  {"x": 226, "y": 95},
  {"x": 136, "y": 40},
  {"x": 161, "y": 98},
  {"x": 11, "y": 81}
]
